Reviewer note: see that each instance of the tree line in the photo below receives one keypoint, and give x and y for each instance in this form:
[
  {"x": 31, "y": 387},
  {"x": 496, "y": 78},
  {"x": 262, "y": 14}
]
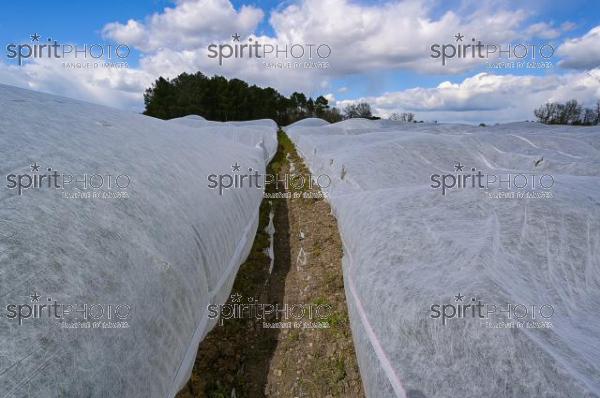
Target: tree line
[
  {"x": 570, "y": 112},
  {"x": 217, "y": 98},
  {"x": 220, "y": 99}
]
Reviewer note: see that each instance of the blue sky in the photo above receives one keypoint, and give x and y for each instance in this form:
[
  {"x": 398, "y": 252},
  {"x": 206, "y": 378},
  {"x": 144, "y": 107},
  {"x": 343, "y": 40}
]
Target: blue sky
[{"x": 372, "y": 58}]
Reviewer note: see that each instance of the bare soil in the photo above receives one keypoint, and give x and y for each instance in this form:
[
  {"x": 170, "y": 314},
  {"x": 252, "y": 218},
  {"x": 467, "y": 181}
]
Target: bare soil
[{"x": 313, "y": 358}]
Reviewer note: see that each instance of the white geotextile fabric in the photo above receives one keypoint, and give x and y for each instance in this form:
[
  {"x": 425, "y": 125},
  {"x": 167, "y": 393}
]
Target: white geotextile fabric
[
  {"x": 167, "y": 251},
  {"x": 254, "y": 132},
  {"x": 408, "y": 247}
]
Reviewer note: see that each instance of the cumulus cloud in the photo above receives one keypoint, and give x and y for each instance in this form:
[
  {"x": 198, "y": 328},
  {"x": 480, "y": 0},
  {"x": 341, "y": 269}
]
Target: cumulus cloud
[
  {"x": 487, "y": 97},
  {"x": 390, "y": 35},
  {"x": 581, "y": 52},
  {"x": 364, "y": 39},
  {"x": 330, "y": 97},
  {"x": 118, "y": 88},
  {"x": 133, "y": 33},
  {"x": 176, "y": 40},
  {"x": 188, "y": 25},
  {"x": 543, "y": 30},
  {"x": 568, "y": 26}
]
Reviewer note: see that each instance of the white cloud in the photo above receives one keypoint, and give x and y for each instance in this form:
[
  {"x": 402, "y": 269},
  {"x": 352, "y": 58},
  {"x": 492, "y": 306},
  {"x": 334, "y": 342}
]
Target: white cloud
[
  {"x": 568, "y": 26},
  {"x": 133, "y": 32},
  {"x": 118, "y": 88},
  {"x": 581, "y": 52},
  {"x": 176, "y": 40},
  {"x": 487, "y": 97},
  {"x": 389, "y": 35},
  {"x": 543, "y": 30},
  {"x": 364, "y": 38},
  {"x": 187, "y": 26}
]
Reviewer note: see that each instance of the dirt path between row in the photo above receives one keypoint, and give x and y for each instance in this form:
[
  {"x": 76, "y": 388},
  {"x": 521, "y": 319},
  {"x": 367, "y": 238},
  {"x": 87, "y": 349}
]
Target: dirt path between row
[{"x": 308, "y": 351}]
